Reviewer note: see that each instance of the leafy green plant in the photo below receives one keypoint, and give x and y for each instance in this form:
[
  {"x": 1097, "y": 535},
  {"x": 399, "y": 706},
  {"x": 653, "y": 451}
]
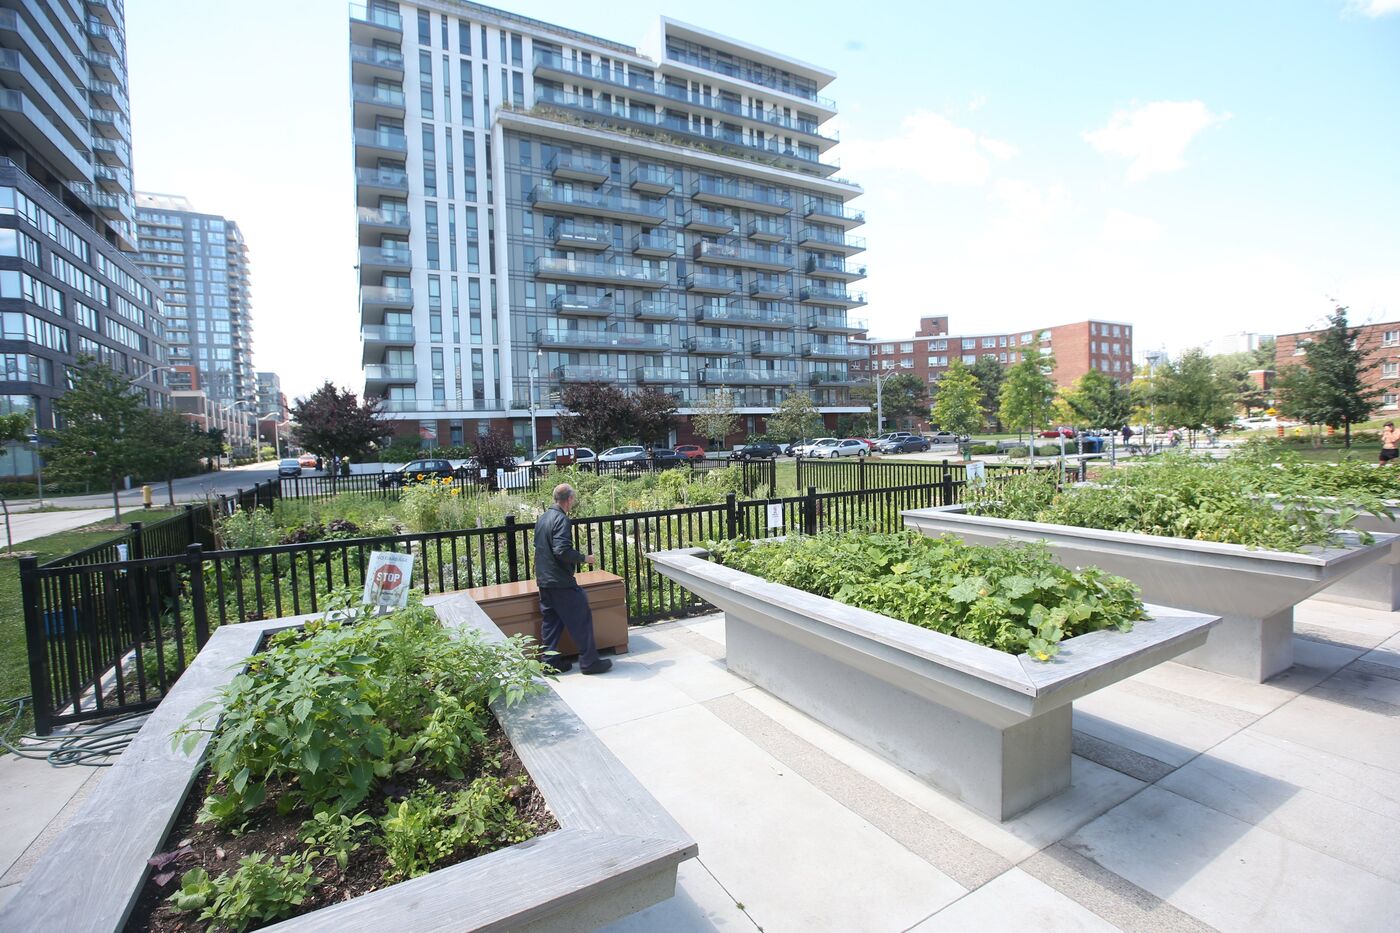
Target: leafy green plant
[
  {"x": 259, "y": 890},
  {"x": 247, "y": 528},
  {"x": 329, "y": 833},
  {"x": 428, "y": 827},
  {"x": 1014, "y": 598}
]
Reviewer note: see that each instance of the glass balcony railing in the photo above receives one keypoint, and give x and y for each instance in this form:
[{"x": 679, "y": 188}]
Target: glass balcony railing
[
  {"x": 709, "y": 282},
  {"x": 654, "y": 178},
  {"x": 373, "y": 217},
  {"x": 379, "y": 95},
  {"x": 709, "y": 219},
  {"x": 748, "y": 194},
  {"x": 377, "y": 16},
  {"x": 580, "y": 237},
  {"x": 717, "y": 346},
  {"x": 386, "y": 295},
  {"x": 765, "y": 287},
  {"x": 608, "y": 340},
  {"x": 590, "y": 305},
  {"x": 771, "y": 348},
  {"x": 729, "y": 252},
  {"x": 761, "y": 377},
  {"x": 390, "y": 178},
  {"x": 447, "y": 404},
  {"x": 654, "y": 244},
  {"x": 772, "y": 228},
  {"x": 831, "y": 378},
  {"x": 601, "y": 271},
  {"x": 734, "y": 69},
  {"x": 578, "y": 373},
  {"x": 835, "y": 351},
  {"x": 831, "y": 239},
  {"x": 655, "y": 311},
  {"x": 391, "y": 372},
  {"x": 822, "y": 265},
  {"x": 385, "y": 256},
  {"x": 837, "y": 323},
  {"x": 737, "y": 315},
  {"x": 377, "y": 56},
  {"x": 658, "y": 374},
  {"x": 827, "y": 211},
  {"x": 387, "y": 333},
  {"x": 606, "y": 203},
  {"x": 381, "y": 139},
  {"x": 576, "y": 165},
  {"x": 815, "y": 294}
]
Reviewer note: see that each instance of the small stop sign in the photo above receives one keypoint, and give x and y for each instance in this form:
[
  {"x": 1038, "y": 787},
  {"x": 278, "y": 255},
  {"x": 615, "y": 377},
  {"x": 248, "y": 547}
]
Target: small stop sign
[{"x": 388, "y": 577}]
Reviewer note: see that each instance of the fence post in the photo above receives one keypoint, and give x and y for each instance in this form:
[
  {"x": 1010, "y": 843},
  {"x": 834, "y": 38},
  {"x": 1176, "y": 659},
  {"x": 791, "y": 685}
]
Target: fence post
[
  {"x": 194, "y": 558},
  {"x": 731, "y": 515},
  {"x": 512, "y": 552},
  {"x": 36, "y": 640},
  {"x": 809, "y": 511},
  {"x": 238, "y": 497},
  {"x": 860, "y": 473},
  {"x": 189, "y": 524},
  {"x": 947, "y": 484},
  {"x": 138, "y": 548}
]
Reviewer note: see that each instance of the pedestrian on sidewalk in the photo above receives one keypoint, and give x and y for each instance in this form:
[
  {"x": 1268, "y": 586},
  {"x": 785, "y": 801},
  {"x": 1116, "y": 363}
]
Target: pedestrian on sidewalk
[
  {"x": 1390, "y": 440},
  {"x": 563, "y": 604}
]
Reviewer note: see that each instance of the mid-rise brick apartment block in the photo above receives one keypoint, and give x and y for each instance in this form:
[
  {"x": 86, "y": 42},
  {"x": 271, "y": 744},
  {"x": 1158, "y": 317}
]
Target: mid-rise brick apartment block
[
  {"x": 1380, "y": 345},
  {"x": 1103, "y": 345}
]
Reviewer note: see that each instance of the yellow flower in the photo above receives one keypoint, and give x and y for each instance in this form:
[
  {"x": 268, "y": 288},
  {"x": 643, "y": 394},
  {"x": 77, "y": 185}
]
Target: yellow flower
[{"x": 456, "y": 492}]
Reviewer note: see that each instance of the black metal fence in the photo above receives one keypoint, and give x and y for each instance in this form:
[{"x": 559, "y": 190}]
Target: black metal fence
[
  {"x": 859, "y": 473},
  {"x": 108, "y": 635}
]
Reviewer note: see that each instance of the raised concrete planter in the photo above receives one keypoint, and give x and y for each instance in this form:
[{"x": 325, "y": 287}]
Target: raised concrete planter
[
  {"x": 1253, "y": 591},
  {"x": 1376, "y": 586},
  {"x": 616, "y": 851},
  {"x": 990, "y": 728}
]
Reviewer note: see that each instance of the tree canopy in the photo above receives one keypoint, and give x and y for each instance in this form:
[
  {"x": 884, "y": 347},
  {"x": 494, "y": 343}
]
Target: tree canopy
[
  {"x": 601, "y": 415},
  {"x": 902, "y": 397},
  {"x": 957, "y": 401},
  {"x": 990, "y": 375},
  {"x": 715, "y": 417},
  {"x": 796, "y": 418},
  {"x": 334, "y": 422},
  {"x": 1027, "y": 393},
  {"x": 1188, "y": 391},
  {"x": 102, "y": 434},
  {"x": 1330, "y": 386},
  {"x": 1097, "y": 400}
]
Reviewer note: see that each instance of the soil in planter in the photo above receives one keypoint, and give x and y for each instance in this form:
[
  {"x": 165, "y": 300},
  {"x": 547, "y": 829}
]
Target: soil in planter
[{"x": 217, "y": 850}]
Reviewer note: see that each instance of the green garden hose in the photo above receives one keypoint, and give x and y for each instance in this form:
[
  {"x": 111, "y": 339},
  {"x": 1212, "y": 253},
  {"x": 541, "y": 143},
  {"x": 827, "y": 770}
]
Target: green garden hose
[{"x": 94, "y": 745}]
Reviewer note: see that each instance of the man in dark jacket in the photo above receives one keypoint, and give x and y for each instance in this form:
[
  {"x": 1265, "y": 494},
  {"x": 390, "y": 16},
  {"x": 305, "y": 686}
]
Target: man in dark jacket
[{"x": 563, "y": 604}]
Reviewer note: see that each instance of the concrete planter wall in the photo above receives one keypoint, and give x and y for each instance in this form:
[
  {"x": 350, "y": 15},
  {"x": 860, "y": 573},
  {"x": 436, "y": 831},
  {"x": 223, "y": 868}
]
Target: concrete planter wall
[
  {"x": 616, "y": 850},
  {"x": 990, "y": 728},
  {"x": 1376, "y": 586},
  {"x": 1253, "y": 591}
]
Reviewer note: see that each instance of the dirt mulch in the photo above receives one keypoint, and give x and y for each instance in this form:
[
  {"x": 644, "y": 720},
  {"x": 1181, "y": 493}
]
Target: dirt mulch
[{"x": 217, "y": 850}]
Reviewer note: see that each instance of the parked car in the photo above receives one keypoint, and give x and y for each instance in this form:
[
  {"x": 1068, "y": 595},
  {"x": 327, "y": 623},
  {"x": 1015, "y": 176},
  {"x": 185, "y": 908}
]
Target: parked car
[
  {"x": 551, "y": 457},
  {"x": 756, "y": 451},
  {"x": 903, "y": 445},
  {"x": 307, "y": 461},
  {"x": 621, "y": 454},
  {"x": 664, "y": 458},
  {"x": 847, "y": 447},
  {"x": 1062, "y": 431},
  {"x": 891, "y": 435},
  {"x": 808, "y": 448},
  {"x": 944, "y": 437},
  {"x": 869, "y": 444},
  {"x": 413, "y": 469},
  {"x": 289, "y": 467},
  {"x": 691, "y": 451}
]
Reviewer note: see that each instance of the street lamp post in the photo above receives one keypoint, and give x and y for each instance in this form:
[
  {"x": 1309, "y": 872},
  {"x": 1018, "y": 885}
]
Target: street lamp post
[
  {"x": 534, "y": 434},
  {"x": 274, "y": 417}
]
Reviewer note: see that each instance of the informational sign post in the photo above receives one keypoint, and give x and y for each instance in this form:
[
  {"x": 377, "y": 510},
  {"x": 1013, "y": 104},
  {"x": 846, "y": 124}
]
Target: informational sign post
[
  {"x": 977, "y": 473},
  {"x": 388, "y": 580},
  {"x": 775, "y": 515}
]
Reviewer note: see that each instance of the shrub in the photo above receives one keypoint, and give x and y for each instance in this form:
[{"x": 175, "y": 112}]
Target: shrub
[
  {"x": 983, "y": 449},
  {"x": 245, "y": 529}
]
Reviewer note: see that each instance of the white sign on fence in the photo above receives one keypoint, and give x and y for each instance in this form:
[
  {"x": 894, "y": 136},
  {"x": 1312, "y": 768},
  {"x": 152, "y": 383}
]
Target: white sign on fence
[
  {"x": 122, "y": 551},
  {"x": 977, "y": 473},
  {"x": 775, "y": 515},
  {"x": 388, "y": 580}
]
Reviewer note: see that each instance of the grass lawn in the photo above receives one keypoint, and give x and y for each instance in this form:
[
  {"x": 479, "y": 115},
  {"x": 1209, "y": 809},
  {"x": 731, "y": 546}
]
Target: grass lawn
[
  {"x": 14, "y": 662},
  {"x": 1367, "y": 452}
]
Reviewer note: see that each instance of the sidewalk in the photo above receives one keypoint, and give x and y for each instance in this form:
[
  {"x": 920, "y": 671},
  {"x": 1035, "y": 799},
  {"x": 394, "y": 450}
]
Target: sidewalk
[
  {"x": 1199, "y": 802},
  {"x": 26, "y": 526}
]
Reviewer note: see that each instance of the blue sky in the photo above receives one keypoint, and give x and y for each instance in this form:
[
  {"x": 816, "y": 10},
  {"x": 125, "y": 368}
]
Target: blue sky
[{"x": 1196, "y": 168}]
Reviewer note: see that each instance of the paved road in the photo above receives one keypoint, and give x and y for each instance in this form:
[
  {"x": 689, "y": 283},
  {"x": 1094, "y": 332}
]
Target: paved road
[{"x": 25, "y": 526}]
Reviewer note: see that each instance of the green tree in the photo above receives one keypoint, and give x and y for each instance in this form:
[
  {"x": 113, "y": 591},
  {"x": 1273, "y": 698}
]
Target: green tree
[
  {"x": 796, "y": 418},
  {"x": 1188, "y": 391},
  {"x": 101, "y": 436},
  {"x": 990, "y": 375},
  {"x": 1235, "y": 368},
  {"x": 653, "y": 414},
  {"x": 599, "y": 415},
  {"x": 715, "y": 417},
  {"x": 1027, "y": 394},
  {"x": 174, "y": 447},
  {"x": 1100, "y": 401},
  {"x": 494, "y": 451},
  {"x": 957, "y": 401},
  {"x": 334, "y": 422},
  {"x": 902, "y": 397},
  {"x": 1330, "y": 386}
]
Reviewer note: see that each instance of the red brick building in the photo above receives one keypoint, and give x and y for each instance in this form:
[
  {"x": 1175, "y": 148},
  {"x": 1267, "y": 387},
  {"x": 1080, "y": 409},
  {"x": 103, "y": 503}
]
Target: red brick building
[
  {"x": 1103, "y": 345},
  {"x": 1380, "y": 346}
]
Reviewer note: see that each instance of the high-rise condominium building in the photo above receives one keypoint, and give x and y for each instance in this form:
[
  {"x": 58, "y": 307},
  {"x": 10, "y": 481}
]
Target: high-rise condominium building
[
  {"x": 200, "y": 262},
  {"x": 67, "y": 288},
  {"x": 271, "y": 398},
  {"x": 539, "y": 206}
]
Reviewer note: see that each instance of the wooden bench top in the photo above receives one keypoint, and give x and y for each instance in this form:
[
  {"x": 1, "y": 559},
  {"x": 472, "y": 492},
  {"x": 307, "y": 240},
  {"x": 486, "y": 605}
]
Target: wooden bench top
[{"x": 495, "y": 591}]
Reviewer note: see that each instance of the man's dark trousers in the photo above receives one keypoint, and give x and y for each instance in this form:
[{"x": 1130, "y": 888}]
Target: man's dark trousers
[{"x": 567, "y": 608}]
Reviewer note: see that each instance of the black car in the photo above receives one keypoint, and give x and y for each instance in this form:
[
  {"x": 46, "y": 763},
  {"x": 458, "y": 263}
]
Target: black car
[
  {"x": 903, "y": 445},
  {"x": 759, "y": 450},
  {"x": 663, "y": 458},
  {"x": 416, "y": 471}
]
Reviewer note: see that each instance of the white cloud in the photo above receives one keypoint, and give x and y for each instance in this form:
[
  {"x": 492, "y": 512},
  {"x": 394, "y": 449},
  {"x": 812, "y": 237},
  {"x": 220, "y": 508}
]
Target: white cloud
[
  {"x": 1123, "y": 227},
  {"x": 1374, "y": 8},
  {"x": 1154, "y": 136},
  {"x": 932, "y": 147},
  {"x": 976, "y": 103}
]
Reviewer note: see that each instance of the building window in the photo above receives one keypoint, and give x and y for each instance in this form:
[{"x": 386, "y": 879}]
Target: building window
[
  {"x": 1390, "y": 400},
  {"x": 1391, "y": 370},
  {"x": 1390, "y": 338},
  {"x": 969, "y": 343}
]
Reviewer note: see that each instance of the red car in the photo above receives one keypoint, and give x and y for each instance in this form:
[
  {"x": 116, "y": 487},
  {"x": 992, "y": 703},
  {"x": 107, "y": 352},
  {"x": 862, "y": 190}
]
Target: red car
[
  {"x": 1062, "y": 431},
  {"x": 869, "y": 444},
  {"x": 691, "y": 451}
]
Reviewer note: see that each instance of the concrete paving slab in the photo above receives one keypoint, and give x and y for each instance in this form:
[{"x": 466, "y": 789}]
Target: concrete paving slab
[
  {"x": 1371, "y": 626},
  {"x": 26, "y": 526},
  {"x": 1337, "y": 728},
  {"x": 1149, "y": 725},
  {"x": 698, "y": 677},
  {"x": 1387, "y": 652},
  {"x": 1312, "y": 657},
  {"x": 1255, "y": 698},
  {"x": 795, "y": 858},
  {"x": 1015, "y": 901},
  {"x": 1336, "y": 806},
  {"x": 700, "y": 906},
  {"x": 34, "y": 793},
  {"x": 630, "y": 690},
  {"x": 711, "y": 626},
  {"x": 1230, "y": 874},
  {"x": 1357, "y": 687}
]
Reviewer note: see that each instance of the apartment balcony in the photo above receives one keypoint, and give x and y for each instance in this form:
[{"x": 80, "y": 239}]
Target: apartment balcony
[
  {"x": 106, "y": 67},
  {"x": 375, "y": 223},
  {"x": 830, "y": 240},
  {"x": 737, "y": 194},
  {"x": 577, "y": 236},
  {"x": 770, "y": 289},
  {"x": 112, "y": 151},
  {"x": 831, "y": 377},
  {"x": 708, "y": 220},
  {"x": 736, "y": 315},
  {"x": 447, "y": 405},
  {"x": 768, "y": 229},
  {"x": 595, "y": 270},
  {"x": 109, "y": 95},
  {"x": 115, "y": 180},
  {"x": 32, "y": 124},
  {"x": 835, "y": 268},
  {"x": 724, "y": 376},
  {"x": 106, "y": 11},
  {"x": 835, "y": 324},
  {"x": 713, "y": 346},
  {"x": 828, "y": 212},
  {"x": 834, "y": 351},
  {"x": 604, "y": 341},
  {"x": 109, "y": 123},
  {"x": 375, "y": 144},
  {"x": 649, "y": 310},
  {"x": 379, "y": 375},
  {"x": 709, "y": 283},
  {"x": 377, "y": 338},
  {"x": 838, "y": 297},
  {"x": 374, "y": 100},
  {"x": 577, "y": 373},
  {"x": 369, "y": 23},
  {"x": 102, "y": 37},
  {"x": 564, "y": 200},
  {"x": 569, "y": 305},
  {"x": 378, "y": 260},
  {"x": 653, "y": 179},
  {"x": 577, "y": 167},
  {"x": 661, "y": 245},
  {"x": 373, "y": 183},
  {"x": 368, "y": 62},
  {"x": 658, "y": 375},
  {"x": 736, "y": 254},
  {"x": 772, "y": 348}
]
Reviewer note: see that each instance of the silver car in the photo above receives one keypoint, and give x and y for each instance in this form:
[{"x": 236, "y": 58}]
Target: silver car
[{"x": 620, "y": 454}]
